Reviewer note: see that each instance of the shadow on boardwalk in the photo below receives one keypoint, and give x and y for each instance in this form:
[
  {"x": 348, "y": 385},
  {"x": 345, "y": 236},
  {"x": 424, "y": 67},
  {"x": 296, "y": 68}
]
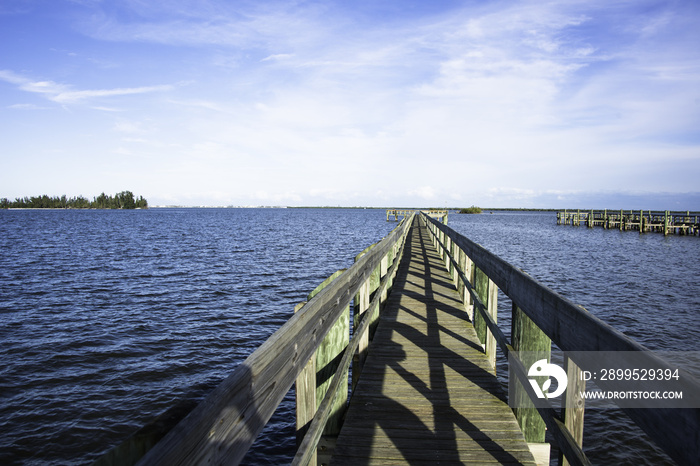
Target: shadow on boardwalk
[{"x": 427, "y": 394}]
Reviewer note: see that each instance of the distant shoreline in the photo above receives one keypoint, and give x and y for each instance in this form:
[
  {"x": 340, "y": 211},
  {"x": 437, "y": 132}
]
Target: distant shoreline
[{"x": 121, "y": 200}]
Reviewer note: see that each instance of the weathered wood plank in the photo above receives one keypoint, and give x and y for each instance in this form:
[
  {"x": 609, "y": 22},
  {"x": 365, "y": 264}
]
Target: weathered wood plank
[
  {"x": 494, "y": 433},
  {"x": 327, "y": 359},
  {"x": 533, "y": 345},
  {"x": 315, "y": 379},
  {"x": 407, "y": 452},
  {"x": 305, "y": 394},
  {"x": 573, "y": 411}
]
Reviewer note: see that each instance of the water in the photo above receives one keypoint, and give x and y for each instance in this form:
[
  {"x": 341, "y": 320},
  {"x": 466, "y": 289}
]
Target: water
[{"x": 108, "y": 318}]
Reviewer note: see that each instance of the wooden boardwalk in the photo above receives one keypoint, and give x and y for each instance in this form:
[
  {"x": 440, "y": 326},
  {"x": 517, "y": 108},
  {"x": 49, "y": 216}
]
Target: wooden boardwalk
[{"x": 427, "y": 393}]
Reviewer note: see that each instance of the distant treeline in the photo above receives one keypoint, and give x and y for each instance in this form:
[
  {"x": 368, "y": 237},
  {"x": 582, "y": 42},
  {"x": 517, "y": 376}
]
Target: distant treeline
[{"x": 122, "y": 200}]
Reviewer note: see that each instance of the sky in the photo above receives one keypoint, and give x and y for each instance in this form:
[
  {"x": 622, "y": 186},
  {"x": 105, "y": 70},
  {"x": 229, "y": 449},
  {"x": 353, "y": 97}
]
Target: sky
[{"x": 531, "y": 104}]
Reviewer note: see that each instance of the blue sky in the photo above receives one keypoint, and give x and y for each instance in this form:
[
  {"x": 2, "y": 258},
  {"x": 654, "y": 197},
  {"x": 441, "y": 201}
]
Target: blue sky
[{"x": 397, "y": 103}]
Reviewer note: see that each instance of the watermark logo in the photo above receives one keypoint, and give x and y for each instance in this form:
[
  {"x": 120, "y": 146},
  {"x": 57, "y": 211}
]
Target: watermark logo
[
  {"x": 605, "y": 379},
  {"x": 542, "y": 368}
]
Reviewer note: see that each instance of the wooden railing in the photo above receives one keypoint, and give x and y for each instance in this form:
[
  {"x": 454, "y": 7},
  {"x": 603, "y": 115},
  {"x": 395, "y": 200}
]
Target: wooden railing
[
  {"x": 434, "y": 213},
  {"x": 663, "y": 221},
  {"x": 221, "y": 429},
  {"x": 541, "y": 316}
]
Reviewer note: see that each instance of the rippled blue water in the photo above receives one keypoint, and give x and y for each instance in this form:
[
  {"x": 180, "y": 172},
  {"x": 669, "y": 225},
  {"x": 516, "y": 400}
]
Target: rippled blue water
[{"x": 108, "y": 318}]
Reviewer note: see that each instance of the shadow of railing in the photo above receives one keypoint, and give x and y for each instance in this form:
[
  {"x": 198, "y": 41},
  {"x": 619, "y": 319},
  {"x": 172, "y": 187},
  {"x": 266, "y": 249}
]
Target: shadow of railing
[{"x": 429, "y": 426}]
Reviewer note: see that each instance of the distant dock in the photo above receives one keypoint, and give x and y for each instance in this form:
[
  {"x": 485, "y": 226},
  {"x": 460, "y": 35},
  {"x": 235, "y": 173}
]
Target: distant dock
[{"x": 660, "y": 221}]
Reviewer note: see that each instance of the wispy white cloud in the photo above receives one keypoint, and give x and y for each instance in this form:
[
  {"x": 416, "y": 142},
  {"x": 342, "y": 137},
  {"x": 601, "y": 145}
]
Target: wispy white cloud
[
  {"x": 64, "y": 94},
  {"x": 278, "y": 56},
  {"x": 107, "y": 109},
  {"x": 48, "y": 88},
  {"x": 65, "y": 97},
  {"x": 27, "y": 107},
  {"x": 240, "y": 24}
]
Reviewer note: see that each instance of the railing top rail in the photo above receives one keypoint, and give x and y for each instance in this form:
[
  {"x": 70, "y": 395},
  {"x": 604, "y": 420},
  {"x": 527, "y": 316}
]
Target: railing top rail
[{"x": 225, "y": 424}]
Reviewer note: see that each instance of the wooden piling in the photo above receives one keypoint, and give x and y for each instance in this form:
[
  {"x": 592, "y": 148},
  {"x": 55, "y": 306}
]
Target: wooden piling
[{"x": 666, "y": 222}]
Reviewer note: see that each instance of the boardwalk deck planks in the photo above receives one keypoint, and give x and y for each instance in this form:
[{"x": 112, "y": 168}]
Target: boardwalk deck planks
[{"x": 427, "y": 391}]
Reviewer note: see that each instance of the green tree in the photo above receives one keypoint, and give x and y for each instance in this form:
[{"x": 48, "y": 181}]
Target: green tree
[
  {"x": 102, "y": 201},
  {"x": 125, "y": 200}
]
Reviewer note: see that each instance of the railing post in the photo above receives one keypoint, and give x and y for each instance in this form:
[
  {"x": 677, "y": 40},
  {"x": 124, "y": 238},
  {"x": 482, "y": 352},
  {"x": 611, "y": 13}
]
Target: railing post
[
  {"x": 468, "y": 270},
  {"x": 383, "y": 268},
  {"x": 441, "y": 242},
  {"x": 448, "y": 251},
  {"x": 488, "y": 293},
  {"x": 360, "y": 306},
  {"x": 622, "y": 222},
  {"x": 532, "y": 344},
  {"x": 305, "y": 392},
  {"x": 312, "y": 384},
  {"x": 375, "y": 280},
  {"x": 574, "y": 408},
  {"x": 453, "y": 269}
]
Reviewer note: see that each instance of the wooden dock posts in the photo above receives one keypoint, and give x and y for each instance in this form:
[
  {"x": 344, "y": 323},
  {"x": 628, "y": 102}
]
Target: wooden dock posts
[
  {"x": 315, "y": 350},
  {"x": 666, "y": 222}
]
